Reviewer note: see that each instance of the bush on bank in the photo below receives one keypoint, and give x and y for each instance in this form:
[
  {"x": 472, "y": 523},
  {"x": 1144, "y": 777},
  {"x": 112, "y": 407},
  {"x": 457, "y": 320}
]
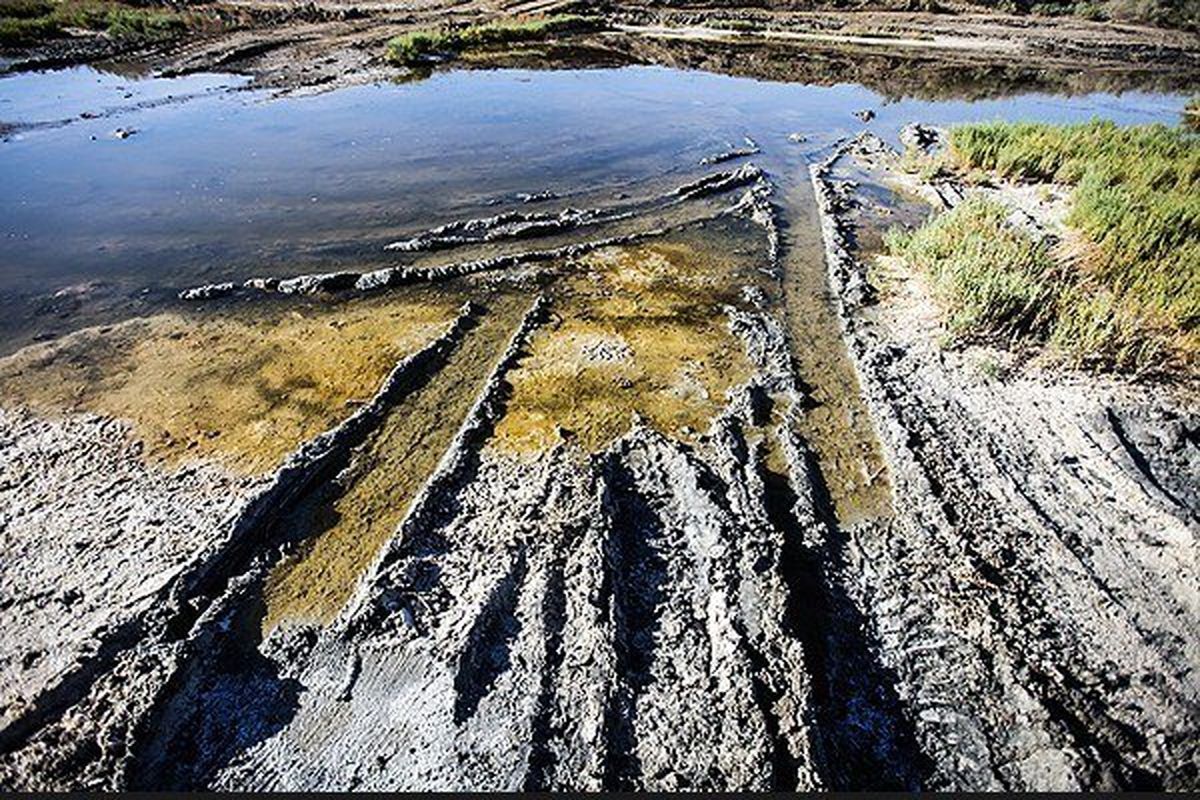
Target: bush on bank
[
  {"x": 1129, "y": 297},
  {"x": 32, "y": 21},
  {"x": 419, "y": 46}
]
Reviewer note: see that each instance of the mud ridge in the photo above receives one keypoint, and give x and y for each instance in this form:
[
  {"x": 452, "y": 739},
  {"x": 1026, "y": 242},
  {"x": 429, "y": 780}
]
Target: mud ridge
[
  {"x": 384, "y": 596},
  {"x": 1065, "y": 607},
  {"x": 188, "y": 599},
  {"x": 720, "y": 182},
  {"x": 756, "y": 205},
  {"x": 509, "y": 225},
  {"x": 520, "y": 224},
  {"x": 751, "y": 148},
  {"x": 717, "y": 183}
]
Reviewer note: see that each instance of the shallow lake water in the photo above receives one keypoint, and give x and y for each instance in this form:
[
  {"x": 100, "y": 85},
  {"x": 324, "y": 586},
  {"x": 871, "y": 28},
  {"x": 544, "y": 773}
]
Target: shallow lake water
[{"x": 217, "y": 181}]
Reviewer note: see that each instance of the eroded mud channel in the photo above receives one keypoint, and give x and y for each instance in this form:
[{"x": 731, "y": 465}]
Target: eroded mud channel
[{"x": 521, "y": 441}]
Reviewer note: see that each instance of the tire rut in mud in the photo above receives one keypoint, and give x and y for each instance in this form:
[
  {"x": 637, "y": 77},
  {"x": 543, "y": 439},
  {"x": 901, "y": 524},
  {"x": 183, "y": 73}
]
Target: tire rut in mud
[
  {"x": 1017, "y": 518},
  {"x": 227, "y": 684}
]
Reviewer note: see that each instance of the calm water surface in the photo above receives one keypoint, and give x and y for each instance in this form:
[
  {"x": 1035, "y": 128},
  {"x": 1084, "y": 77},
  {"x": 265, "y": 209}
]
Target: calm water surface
[{"x": 219, "y": 181}]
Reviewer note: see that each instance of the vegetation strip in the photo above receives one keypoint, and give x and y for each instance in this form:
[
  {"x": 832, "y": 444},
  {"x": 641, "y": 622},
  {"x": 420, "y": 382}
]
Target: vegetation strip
[
  {"x": 421, "y": 46},
  {"x": 1122, "y": 290},
  {"x": 31, "y": 21}
]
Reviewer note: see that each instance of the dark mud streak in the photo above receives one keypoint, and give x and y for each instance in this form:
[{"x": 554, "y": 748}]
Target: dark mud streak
[
  {"x": 785, "y": 766},
  {"x": 488, "y": 651},
  {"x": 542, "y": 757},
  {"x": 1143, "y": 465},
  {"x": 1020, "y": 617},
  {"x": 637, "y": 580},
  {"x": 226, "y": 698},
  {"x": 865, "y": 733}
]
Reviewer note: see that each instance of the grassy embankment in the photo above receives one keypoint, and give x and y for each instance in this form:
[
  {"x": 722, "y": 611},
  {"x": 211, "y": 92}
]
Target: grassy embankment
[
  {"x": 1191, "y": 114},
  {"x": 24, "y": 22},
  {"x": 421, "y": 46},
  {"x": 1122, "y": 290}
]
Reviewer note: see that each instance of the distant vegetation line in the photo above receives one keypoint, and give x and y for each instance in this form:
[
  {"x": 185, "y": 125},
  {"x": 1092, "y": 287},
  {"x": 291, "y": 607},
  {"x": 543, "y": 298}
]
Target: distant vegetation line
[
  {"x": 1164, "y": 13},
  {"x": 31, "y": 21},
  {"x": 419, "y": 46},
  {"x": 1184, "y": 14}
]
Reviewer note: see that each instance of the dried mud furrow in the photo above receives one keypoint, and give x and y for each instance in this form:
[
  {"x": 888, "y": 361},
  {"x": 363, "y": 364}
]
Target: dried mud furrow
[
  {"x": 343, "y": 522},
  {"x": 159, "y": 633},
  {"x": 585, "y": 631},
  {"x": 1055, "y": 640},
  {"x": 842, "y": 563},
  {"x": 612, "y": 619}
]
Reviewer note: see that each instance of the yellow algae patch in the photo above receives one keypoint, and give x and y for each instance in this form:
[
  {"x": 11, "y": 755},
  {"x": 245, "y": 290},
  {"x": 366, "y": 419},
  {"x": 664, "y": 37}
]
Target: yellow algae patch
[
  {"x": 637, "y": 329},
  {"x": 346, "y": 523},
  {"x": 245, "y": 391}
]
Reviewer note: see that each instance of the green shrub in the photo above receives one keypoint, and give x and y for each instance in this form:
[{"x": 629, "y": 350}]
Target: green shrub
[
  {"x": 1132, "y": 301},
  {"x": 418, "y": 46},
  {"x": 19, "y": 30},
  {"x": 25, "y": 9},
  {"x": 30, "y": 21},
  {"x": 992, "y": 279},
  {"x": 1191, "y": 115}
]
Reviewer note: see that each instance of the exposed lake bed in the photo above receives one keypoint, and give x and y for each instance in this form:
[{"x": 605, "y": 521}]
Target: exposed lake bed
[{"x": 555, "y": 423}]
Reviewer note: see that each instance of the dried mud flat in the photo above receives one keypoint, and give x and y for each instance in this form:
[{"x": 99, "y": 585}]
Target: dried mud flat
[{"x": 592, "y": 498}]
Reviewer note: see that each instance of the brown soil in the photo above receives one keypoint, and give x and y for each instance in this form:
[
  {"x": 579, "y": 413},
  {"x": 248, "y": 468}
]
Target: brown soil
[{"x": 897, "y": 52}]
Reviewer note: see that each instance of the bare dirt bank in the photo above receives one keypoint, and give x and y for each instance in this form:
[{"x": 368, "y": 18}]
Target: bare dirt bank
[
  {"x": 1050, "y": 511},
  {"x": 332, "y": 44}
]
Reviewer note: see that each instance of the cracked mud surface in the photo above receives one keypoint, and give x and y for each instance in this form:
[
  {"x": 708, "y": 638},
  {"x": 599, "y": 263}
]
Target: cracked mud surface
[{"x": 641, "y": 484}]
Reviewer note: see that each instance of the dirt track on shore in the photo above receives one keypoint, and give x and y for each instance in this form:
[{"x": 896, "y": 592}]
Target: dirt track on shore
[{"x": 559, "y": 596}]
